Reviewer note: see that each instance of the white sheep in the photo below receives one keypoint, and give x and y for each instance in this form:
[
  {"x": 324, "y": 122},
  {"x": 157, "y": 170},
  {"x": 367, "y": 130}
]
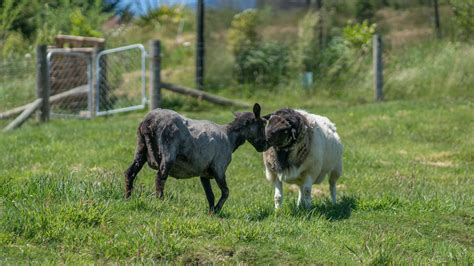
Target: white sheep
[{"x": 304, "y": 149}]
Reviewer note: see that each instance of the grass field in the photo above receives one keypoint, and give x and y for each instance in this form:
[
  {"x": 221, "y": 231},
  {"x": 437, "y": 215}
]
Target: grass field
[{"x": 406, "y": 196}]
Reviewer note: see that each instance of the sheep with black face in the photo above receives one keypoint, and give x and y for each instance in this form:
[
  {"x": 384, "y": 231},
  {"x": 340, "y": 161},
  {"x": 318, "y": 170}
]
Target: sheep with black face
[
  {"x": 183, "y": 148},
  {"x": 304, "y": 148}
]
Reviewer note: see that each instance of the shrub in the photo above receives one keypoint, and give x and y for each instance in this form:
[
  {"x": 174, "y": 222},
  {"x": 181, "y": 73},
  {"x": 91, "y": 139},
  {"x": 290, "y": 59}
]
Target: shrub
[
  {"x": 162, "y": 15},
  {"x": 242, "y": 35},
  {"x": 265, "y": 64},
  {"x": 81, "y": 26},
  {"x": 14, "y": 43},
  {"x": 464, "y": 17},
  {"x": 10, "y": 11},
  {"x": 255, "y": 62},
  {"x": 359, "y": 35},
  {"x": 306, "y": 52},
  {"x": 68, "y": 17},
  {"x": 334, "y": 58},
  {"x": 364, "y": 10}
]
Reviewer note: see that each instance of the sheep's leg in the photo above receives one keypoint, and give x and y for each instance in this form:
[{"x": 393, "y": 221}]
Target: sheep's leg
[
  {"x": 161, "y": 177},
  {"x": 206, "y": 184},
  {"x": 224, "y": 190},
  {"x": 332, "y": 185},
  {"x": 278, "y": 197},
  {"x": 304, "y": 196},
  {"x": 135, "y": 167}
]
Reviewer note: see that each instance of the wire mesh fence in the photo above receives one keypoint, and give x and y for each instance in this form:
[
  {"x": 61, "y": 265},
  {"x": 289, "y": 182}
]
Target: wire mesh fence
[
  {"x": 17, "y": 82},
  {"x": 70, "y": 81},
  {"x": 120, "y": 79}
]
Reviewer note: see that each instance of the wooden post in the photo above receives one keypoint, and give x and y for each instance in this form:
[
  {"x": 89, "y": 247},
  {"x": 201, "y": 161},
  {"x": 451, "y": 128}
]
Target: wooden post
[
  {"x": 155, "y": 74},
  {"x": 42, "y": 82},
  {"x": 319, "y": 6},
  {"x": 378, "y": 67},
  {"x": 200, "y": 45},
  {"x": 437, "y": 21}
]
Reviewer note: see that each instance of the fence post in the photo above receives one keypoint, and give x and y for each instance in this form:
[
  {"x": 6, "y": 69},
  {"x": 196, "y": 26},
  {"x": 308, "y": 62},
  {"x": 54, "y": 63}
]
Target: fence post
[
  {"x": 42, "y": 82},
  {"x": 200, "y": 45},
  {"x": 319, "y": 5},
  {"x": 437, "y": 21},
  {"x": 155, "y": 74},
  {"x": 378, "y": 67}
]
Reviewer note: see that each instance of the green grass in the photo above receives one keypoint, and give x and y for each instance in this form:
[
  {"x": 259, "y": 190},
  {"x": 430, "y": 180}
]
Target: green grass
[{"x": 405, "y": 196}]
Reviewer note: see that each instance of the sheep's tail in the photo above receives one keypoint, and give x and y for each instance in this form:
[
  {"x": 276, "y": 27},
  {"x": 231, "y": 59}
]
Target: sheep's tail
[{"x": 153, "y": 156}]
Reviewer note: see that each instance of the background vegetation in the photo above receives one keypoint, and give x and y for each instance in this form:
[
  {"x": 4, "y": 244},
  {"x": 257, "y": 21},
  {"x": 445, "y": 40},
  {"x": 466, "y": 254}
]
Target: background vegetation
[{"x": 405, "y": 196}]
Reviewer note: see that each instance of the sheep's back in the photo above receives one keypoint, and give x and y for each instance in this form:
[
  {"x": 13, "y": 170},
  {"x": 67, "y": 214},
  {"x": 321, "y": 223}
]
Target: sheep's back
[{"x": 326, "y": 146}]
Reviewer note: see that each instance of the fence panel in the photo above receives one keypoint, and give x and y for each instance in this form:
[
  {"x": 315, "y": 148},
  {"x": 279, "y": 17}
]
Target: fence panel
[
  {"x": 70, "y": 84},
  {"x": 17, "y": 82},
  {"x": 120, "y": 84}
]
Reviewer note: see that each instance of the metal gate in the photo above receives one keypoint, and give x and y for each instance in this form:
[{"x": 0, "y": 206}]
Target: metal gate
[
  {"x": 120, "y": 80},
  {"x": 70, "y": 80}
]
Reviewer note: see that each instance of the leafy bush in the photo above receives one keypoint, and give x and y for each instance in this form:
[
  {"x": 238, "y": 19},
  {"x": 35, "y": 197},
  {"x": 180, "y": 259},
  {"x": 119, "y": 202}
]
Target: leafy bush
[
  {"x": 255, "y": 62},
  {"x": 242, "y": 35},
  {"x": 343, "y": 55},
  {"x": 14, "y": 43},
  {"x": 359, "y": 35},
  {"x": 81, "y": 26},
  {"x": 306, "y": 52},
  {"x": 265, "y": 64},
  {"x": 10, "y": 10},
  {"x": 464, "y": 17},
  {"x": 162, "y": 15},
  {"x": 364, "y": 10},
  {"x": 334, "y": 58}
]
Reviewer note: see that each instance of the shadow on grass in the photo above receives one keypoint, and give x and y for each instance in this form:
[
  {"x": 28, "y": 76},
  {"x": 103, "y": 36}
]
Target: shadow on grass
[{"x": 342, "y": 210}]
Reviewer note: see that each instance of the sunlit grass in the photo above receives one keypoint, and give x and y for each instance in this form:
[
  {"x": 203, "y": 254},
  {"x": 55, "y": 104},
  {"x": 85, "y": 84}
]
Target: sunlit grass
[{"x": 404, "y": 196}]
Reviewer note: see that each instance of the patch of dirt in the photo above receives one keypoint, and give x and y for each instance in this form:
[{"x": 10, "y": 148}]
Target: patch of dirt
[{"x": 439, "y": 159}]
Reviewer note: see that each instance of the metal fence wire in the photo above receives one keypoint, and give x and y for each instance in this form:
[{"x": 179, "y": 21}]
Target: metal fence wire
[
  {"x": 120, "y": 80},
  {"x": 17, "y": 82},
  {"x": 70, "y": 81}
]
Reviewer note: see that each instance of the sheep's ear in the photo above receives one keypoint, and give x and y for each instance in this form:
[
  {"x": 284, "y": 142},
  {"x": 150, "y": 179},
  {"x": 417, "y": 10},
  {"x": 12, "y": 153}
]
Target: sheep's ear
[{"x": 256, "y": 110}]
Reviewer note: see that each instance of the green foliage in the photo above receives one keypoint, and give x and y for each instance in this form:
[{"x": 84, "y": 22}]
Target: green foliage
[
  {"x": 343, "y": 58},
  {"x": 306, "y": 53},
  {"x": 14, "y": 44},
  {"x": 10, "y": 10},
  {"x": 365, "y": 10},
  {"x": 39, "y": 21},
  {"x": 160, "y": 16},
  {"x": 334, "y": 60},
  {"x": 464, "y": 17},
  {"x": 81, "y": 26},
  {"x": 359, "y": 35},
  {"x": 266, "y": 64},
  {"x": 263, "y": 63},
  {"x": 242, "y": 34}
]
